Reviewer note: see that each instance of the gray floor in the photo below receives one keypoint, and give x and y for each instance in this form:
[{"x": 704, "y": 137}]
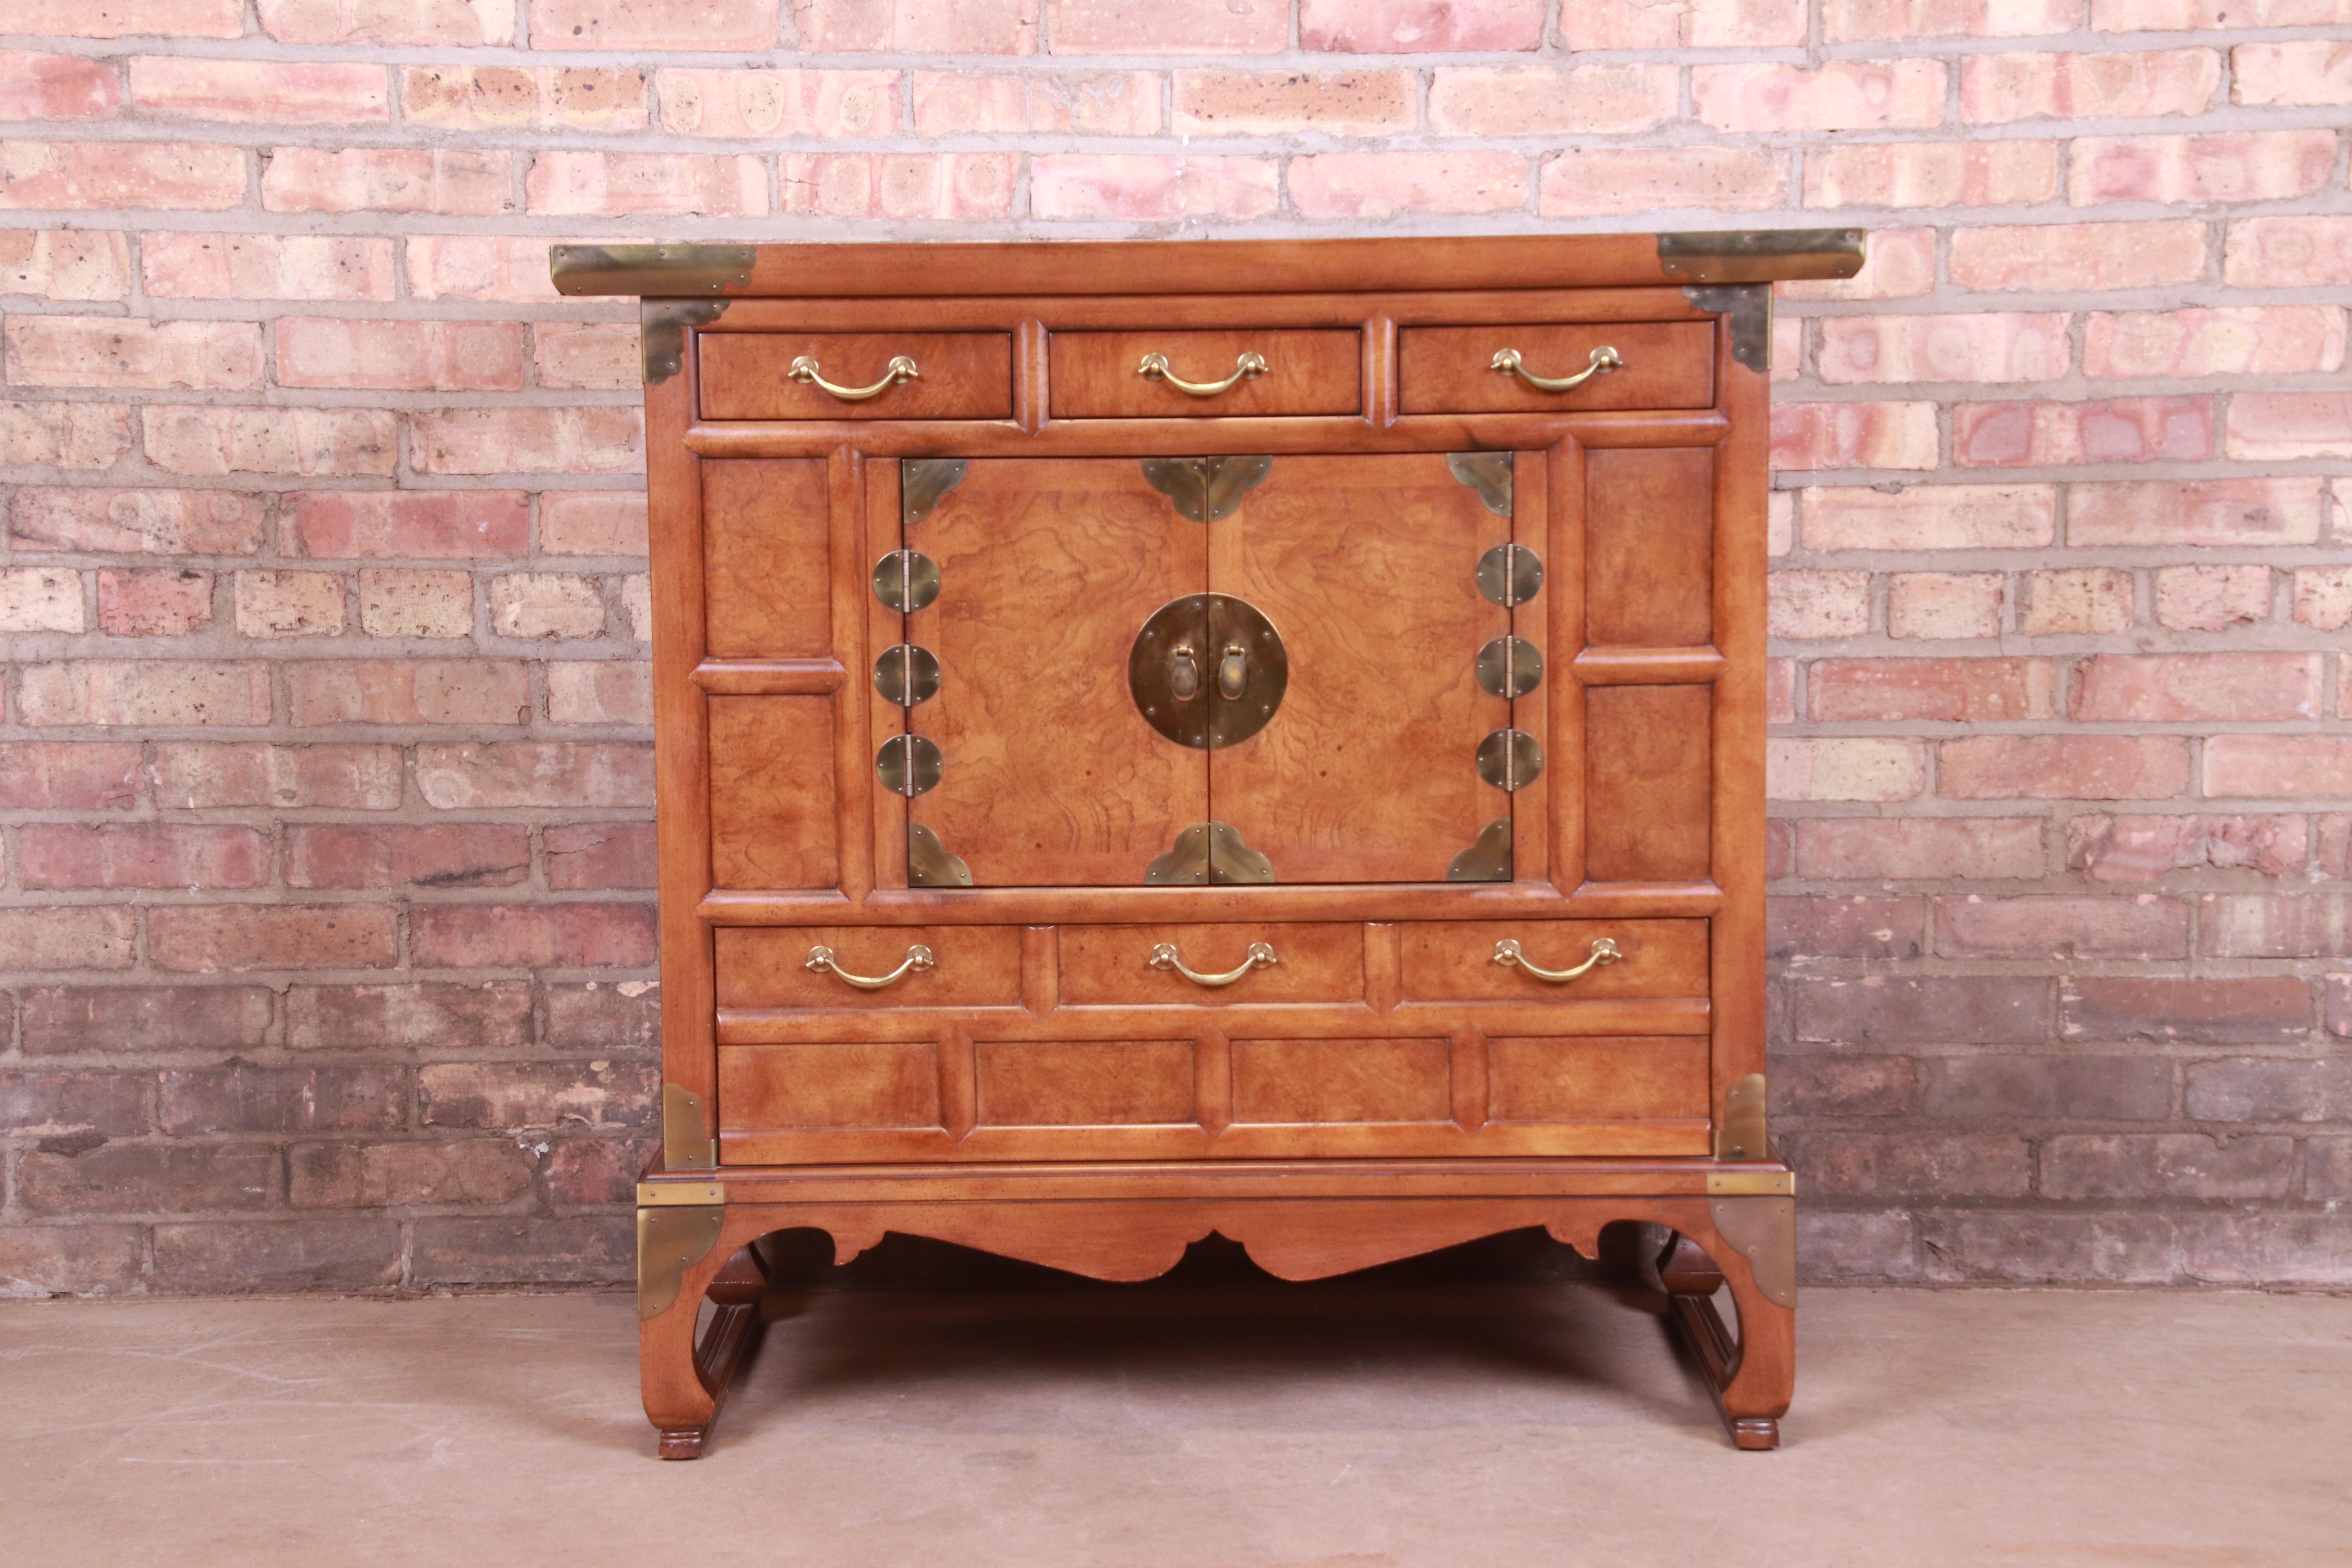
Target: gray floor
[{"x": 1336, "y": 1427}]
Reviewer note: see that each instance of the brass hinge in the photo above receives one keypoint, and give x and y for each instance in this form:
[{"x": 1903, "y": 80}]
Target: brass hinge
[
  {"x": 1740, "y": 1135},
  {"x": 686, "y": 1142}
]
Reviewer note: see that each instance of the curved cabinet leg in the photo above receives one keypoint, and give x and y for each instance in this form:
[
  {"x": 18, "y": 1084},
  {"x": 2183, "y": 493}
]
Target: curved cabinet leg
[
  {"x": 1753, "y": 1249},
  {"x": 685, "y": 1377}
]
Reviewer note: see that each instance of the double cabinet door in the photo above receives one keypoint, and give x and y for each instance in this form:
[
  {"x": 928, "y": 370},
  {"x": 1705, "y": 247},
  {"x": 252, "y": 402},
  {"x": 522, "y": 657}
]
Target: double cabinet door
[{"x": 1123, "y": 671}]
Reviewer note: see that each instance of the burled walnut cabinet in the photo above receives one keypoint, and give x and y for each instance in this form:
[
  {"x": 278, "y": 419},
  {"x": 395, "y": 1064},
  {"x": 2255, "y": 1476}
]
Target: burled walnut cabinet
[{"x": 1259, "y": 738}]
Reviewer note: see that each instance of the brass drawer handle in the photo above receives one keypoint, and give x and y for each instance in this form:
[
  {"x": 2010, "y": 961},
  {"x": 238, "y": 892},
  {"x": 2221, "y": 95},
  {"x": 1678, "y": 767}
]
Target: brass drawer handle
[
  {"x": 1604, "y": 358},
  {"x": 1507, "y": 953},
  {"x": 1261, "y": 956},
  {"x": 1156, "y": 366},
  {"x": 804, "y": 370},
  {"x": 918, "y": 958}
]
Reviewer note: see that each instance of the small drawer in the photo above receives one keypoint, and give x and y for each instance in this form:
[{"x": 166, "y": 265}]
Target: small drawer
[
  {"x": 958, "y": 376},
  {"x": 971, "y": 966},
  {"x": 1101, "y": 376},
  {"x": 1114, "y": 966},
  {"x": 1456, "y": 960},
  {"x": 1451, "y": 370}
]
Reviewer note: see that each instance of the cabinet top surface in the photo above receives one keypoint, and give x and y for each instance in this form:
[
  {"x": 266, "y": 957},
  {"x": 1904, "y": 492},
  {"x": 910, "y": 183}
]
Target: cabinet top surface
[{"x": 1206, "y": 267}]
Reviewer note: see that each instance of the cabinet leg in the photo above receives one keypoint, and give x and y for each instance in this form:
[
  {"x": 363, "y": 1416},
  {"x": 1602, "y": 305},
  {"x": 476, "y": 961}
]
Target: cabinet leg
[
  {"x": 1752, "y": 1377},
  {"x": 685, "y": 1377}
]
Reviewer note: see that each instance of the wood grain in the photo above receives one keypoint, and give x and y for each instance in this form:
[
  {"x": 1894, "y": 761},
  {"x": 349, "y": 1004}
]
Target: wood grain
[
  {"x": 1094, "y": 373},
  {"x": 1086, "y": 1083},
  {"x": 767, "y": 561},
  {"x": 1109, "y": 966},
  {"x": 977, "y": 966},
  {"x": 1454, "y": 961},
  {"x": 1450, "y": 370},
  {"x": 964, "y": 375},
  {"x": 865, "y": 1084},
  {"x": 1286, "y": 1081},
  {"x": 1581, "y": 1077},
  {"x": 1649, "y": 531},
  {"x": 1649, "y": 783},
  {"x": 774, "y": 822}
]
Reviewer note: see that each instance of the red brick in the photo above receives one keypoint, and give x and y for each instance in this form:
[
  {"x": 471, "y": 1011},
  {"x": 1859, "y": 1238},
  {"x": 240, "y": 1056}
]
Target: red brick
[
  {"x": 87, "y": 351},
  {"x": 2062, "y": 767},
  {"x": 1544, "y": 101},
  {"x": 1931, "y": 516},
  {"x": 1955, "y": 690},
  {"x": 2007, "y": 87},
  {"x": 1841, "y": 95},
  {"x": 1846, "y": 21},
  {"x": 291, "y": 604},
  {"x": 2323, "y": 597},
  {"x": 1642, "y": 179},
  {"x": 2134, "y": 927},
  {"x": 2093, "y": 600},
  {"x": 2269, "y": 1010},
  {"x": 1845, "y": 768},
  {"x": 2276, "y": 925},
  {"x": 351, "y": 778},
  {"x": 1879, "y": 1010},
  {"x": 2278, "y": 765},
  {"x": 513, "y": 1096},
  {"x": 377, "y": 1175},
  {"x": 454, "y": 854},
  {"x": 67, "y": 775},
  {"x": 596, "y": 855},
  {"x": 1826, "y": 1084},
  {"x": 2241, "y": 340},
  {"x": 1337, "y": 103},
  {"x": 1936, "y": 604},
  {"x": 2179, "y": 16},
  {"x": 733, "y": 102},
  {"x": 134, "y": 522},
  {"x": 2079, "y": 255},
  {"x": 533, "y": 936},
  {"x": 600, "y": 691},
  {"x": 136, "y": 176},
  {"x": 2177, "y": 687},
  {"x": 2164, "y": 1164},
  {"x": 1392, "y": 26},
  {"x": 1094, "y": 103},
  {"x": 596, "y": 354},
  {"x": 40, "y": 599},
  {"x": 1853, "y": 436},
  {"x": 1829, "y": 926},
  {"x": 409, "y": 525},
  {"x": 461, "y": 182},
  {"x": 2337, "y": 1005},
  {"x": 546, "y": 604},
  {"x": 398, "y": 603},
  {"x": 1383, "y": 185},
  {"x": 1150, "y": 185},
  {"x": 461, "y": 97},
  {"x": 2077, "y": 1087},
  {"x": 1779, "y": 849},
  {"x": 63, "y": 1020},
  {"x": 280, "y": 1255},
  {"x": 1920, "y": 849},
  {"x": 713, "y": 24},
  {"x": 2219, "y": 166},
  {"x": 484, "y": 266},
  {"x": 530, "y": 1251},
  {"x": 119, "y": 18},
  {"x": 459, "y": 21},
  {"x": 307, "y": 92},
  {"x": 144, "y": 693},
  {"x": 2271, "y": 1090},
  {"x": 520, "y": 440},
  {"x": 2287, "y": 252},
  {"x": 900, "y": 186},
  {"x": 425, "y": 356},
  {"x": 971, "y": 28},
  {"x": 144, "y": 1178},
  {"x": 665, "y": 184},
  {"x": 591, "y": 523},
  {"x": 2115, "y": 430},
  {"x": 57, "y": 87},
  {"x": 1932, "y": 174},
  {"x": 207, "y": 939},
  {"x": 154, "y": 604},
  {"x": 585, "y": 1171},
  {"x": 1819, "y": 604},
  {"x": 314, "y": 442},
  {"x": 266, "y": 267},
  {"x": 2268, "y": 425},
  {"x": 2235, "y": 511},
  {"x": 2144, "y": 848},
  {"x": 1683, "y": 24},
  {"x": 243, "y": 1098},
  {"x": 76, "y": 1259},
  {"x": 2211, "y": 598},
  {"x": 486, "y": 1016},
  {"x": 53, "y": 1104},
  {"x": 409, "y": 691},
  {"x": 1937, "y": 1165},
  {"x": 1780, "y": 691},
  {"x": 2040, "y": 1247},
  {"x": 64, "y": 264},
  {"x": 1901, "y": 263},
  {"x": 603, "y": 1017},
  {"x": 1992, "y": 346},
  {"x": 141, "y": 855},
  {"x": 2292, "y": 71},
  {"x": 64, "y": 435}
]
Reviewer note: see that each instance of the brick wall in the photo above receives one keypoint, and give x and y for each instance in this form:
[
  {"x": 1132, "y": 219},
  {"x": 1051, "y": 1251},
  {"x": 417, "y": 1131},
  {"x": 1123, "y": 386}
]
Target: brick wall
[{"x": 325, "y": 936}]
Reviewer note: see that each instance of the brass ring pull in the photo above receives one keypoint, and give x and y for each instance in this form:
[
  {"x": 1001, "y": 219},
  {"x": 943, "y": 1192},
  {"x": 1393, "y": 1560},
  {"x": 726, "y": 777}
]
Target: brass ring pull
[
  {"x": 1261, "y": 956},
  {"x": 918, "y": 958},
  {"x": 1604, "y": 358},
  {"x": 1156, "y": 367},
  {"x": 1233, "y": 673},
  {"x": 1507, "y": 953},
  {"x": 804, "y": 370}
]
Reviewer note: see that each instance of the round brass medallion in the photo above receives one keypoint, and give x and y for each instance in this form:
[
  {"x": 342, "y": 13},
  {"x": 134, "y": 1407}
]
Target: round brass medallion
[{"x": 1208, "y": 670}]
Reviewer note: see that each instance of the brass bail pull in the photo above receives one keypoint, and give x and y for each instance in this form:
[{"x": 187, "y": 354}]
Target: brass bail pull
[
  {"x": 1233, "y": 673},
  {"x": 1260, "y": 956},
  {"x": 1183, "y": 673},
  {"x": 1604, "y": 359},
  {"x": 1506, "y": 953},
  {"x": 804, "y": 370},
  {"x": 918, "y": 958},
  {"x": 1156, "y": 367}
]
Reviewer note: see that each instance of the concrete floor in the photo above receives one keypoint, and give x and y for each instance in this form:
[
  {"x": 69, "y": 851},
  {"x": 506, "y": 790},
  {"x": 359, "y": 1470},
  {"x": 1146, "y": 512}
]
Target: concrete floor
[{"x": 1330, "y": 1427}]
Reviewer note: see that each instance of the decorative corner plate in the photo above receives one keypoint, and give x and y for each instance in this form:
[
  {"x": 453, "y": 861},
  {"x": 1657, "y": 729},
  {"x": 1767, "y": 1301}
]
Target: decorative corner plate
[
  {"x": 928, "y": 864},
  {"x": 1206, "y": 488},
  {"x": 658, "y": 271},
  {"x": 1205, "y": 854},
  {"x": 1488, "y": 473},
  {"x": 1487, "y": 860}
]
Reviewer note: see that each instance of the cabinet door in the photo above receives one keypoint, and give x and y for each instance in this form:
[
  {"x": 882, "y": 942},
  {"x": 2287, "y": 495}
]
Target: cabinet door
[
  {"x": 1368, "y": 567},
  {"x": 1048, "y": 775}
]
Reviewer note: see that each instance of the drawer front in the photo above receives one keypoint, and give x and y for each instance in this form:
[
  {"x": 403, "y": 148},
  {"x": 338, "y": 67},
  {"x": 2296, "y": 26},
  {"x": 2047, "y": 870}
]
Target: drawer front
[
  {"x": 1113, "y": 966},
  {"x": 1455, "y": 961},
  {"x": 971, "y": 966},
  {"x": 1096, "y": 376},
  {"x": 958, "y": 376},
  {"x": 1450, "y": 370}
]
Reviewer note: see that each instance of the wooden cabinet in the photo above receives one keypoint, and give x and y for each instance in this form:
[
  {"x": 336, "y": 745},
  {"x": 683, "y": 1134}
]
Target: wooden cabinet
[{"x": 1257, "y": 738}]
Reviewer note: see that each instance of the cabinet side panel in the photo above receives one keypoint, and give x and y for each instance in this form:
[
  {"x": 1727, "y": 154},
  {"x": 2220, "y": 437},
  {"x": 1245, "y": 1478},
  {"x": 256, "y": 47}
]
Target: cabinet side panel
[
  {"x": 772, "y": 817},
  {"x": 1743, "y": 482},
  {"x": 768, "y": 568},
  {"x": 1649, "y": 546},
  {"x": 1648, "y": 783}
]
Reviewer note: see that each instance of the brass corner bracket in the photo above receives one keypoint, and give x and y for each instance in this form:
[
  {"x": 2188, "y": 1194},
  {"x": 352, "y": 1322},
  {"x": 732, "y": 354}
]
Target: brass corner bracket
[
  {"x": 1762, "y": 255},
  {"x": 657, "y": 271},
  {"x": 1208, "y": 853},
  {"x": 662, "y": 328},
  {"x": 687, "y": 1142},
  {"x": 1740, "y": 1135},
  {"x": 671, "y": 1240},
  {"x": 1488, "y": 859}
]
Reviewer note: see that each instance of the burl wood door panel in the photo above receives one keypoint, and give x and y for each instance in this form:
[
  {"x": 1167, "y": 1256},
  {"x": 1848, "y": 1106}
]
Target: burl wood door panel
[
  {"x": 1095, "y": 375},
  {"x": 1047, "y": 568},
  {"x": 1450, "y": 370},
  {"x": 960, "y": 375},
  {"x": 1649, "y": 547},
  {"x": 767, "y": 560},
  {"x": 771, "y": 793},
  {"x": 1648, "y": 776},
  {"x": 1367, "y": 568}
]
